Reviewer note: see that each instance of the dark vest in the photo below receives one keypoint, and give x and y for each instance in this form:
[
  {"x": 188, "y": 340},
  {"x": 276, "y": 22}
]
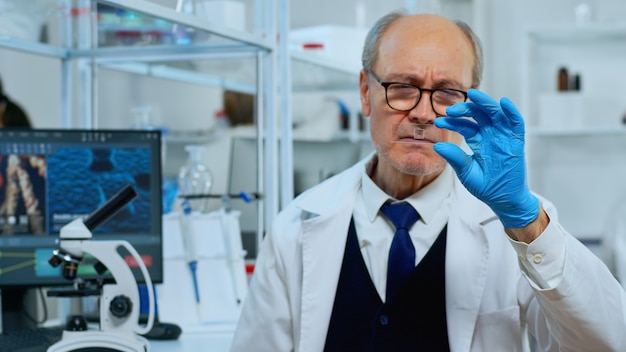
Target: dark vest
[{"x": 413, "y": 320}]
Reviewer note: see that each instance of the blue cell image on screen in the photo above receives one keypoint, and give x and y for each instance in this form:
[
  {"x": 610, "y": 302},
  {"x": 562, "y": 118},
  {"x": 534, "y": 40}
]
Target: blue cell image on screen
[{"x": 80, "y": 180}]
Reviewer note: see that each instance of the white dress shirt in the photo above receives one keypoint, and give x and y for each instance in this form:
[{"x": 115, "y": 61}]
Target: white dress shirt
[{"x": 375, "y": 232}]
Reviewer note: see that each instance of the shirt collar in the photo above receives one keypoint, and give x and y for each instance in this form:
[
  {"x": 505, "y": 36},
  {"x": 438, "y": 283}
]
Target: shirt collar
[{"x": 426, "y": 201}]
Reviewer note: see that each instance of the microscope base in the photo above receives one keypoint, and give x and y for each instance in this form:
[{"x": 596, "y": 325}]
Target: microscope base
[{"x": 114, "y": 340}]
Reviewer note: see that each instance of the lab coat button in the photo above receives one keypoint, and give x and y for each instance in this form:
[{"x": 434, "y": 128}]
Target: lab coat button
[
  {"x": 537, "y": 258},
  {"x": 384, "y": 320}
]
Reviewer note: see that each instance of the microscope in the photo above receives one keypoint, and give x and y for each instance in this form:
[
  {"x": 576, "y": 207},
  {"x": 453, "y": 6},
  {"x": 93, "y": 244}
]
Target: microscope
[{"x": 119, "y": 302}]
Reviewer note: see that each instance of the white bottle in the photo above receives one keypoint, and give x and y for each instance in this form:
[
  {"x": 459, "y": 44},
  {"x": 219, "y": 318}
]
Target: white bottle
[{"x": 195, "y": 178}]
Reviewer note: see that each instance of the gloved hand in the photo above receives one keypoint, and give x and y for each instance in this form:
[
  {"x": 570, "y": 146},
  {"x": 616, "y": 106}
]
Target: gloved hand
[{"x": 496, "y": 172}]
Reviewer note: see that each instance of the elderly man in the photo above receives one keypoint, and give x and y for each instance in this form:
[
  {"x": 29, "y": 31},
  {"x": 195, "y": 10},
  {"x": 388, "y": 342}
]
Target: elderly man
[{"x": 422, "y": 246}]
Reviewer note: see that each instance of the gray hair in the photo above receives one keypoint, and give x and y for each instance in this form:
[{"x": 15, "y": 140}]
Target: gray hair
[{"x": 372, "y": 42}]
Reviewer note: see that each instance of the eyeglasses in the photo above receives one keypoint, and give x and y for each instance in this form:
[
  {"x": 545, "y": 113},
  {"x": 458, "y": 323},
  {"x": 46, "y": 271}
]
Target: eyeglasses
[{"x": 405, "y": 96}]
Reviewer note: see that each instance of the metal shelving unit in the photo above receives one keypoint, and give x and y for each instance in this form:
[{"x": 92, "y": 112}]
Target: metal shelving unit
[{"x": 145, "y": 38}]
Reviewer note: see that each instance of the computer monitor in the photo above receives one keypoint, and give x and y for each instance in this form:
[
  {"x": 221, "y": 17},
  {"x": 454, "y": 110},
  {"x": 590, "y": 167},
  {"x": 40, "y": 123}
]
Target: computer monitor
[{"x": 51, "y": 177}]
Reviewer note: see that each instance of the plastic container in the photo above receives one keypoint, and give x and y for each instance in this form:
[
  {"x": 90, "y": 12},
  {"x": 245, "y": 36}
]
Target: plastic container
[{"x": 195, "y": 178}]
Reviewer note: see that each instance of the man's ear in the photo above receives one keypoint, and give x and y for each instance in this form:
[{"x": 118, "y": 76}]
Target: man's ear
[{"x": 364, "y": 92}]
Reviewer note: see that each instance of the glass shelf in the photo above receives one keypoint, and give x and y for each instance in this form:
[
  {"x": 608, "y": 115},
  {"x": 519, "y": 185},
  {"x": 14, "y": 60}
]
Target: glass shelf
[
  {"x": 121, "y": 24},
  {"x": 142, "y": 37},
  {"x": 142, "y": 23},
  {"x": 9, "y": 42},
  {"x": 237, "y": 74},
  {"x": 578, "y": 33},
  {"x": 315, "y": 72}
]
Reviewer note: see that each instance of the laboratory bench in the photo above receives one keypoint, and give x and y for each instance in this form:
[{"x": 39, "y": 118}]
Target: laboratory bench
[{"x": 217, "y": 338}]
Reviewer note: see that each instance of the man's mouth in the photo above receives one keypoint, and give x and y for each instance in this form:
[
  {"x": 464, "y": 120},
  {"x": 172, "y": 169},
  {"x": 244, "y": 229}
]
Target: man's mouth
[{"x": 414, "y": 133}]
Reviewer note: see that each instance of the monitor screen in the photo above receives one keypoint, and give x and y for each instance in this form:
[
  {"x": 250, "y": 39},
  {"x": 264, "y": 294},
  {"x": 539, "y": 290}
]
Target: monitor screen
[{"x": 51, "y": 177}]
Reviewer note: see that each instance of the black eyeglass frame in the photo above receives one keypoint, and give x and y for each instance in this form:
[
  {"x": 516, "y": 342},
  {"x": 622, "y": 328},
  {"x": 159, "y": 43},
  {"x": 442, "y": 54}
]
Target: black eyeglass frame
[{"x": 420, "y": 89}]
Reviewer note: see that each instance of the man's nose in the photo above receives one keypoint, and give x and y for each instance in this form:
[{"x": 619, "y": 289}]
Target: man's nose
[{"x": 423, "y": 112}]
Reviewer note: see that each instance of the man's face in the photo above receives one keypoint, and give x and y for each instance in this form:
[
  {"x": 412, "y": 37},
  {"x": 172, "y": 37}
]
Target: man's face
[{"x": 428, "y": 52}]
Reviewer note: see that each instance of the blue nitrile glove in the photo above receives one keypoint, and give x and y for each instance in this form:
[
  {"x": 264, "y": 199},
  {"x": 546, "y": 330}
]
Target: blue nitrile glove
[{"x": 496, "y": 172}]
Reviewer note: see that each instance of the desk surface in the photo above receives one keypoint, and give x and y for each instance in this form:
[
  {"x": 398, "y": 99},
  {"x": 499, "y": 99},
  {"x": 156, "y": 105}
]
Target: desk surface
[{"x": 206, "y": 339}]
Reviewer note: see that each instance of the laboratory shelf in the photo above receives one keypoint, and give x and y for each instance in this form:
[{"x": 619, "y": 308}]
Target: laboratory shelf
[
  {"x": 594, "y": 51},
  {"x": 138, "y": 23},
  {"x": 574, "y": 137},
  {"x": 561, "y": 34},
  {"x": 90, "y": 38},
  {"x": 597, "y": 131},
  {"x": 145, "y": 38},
  {"x": 154, "y": 52},
  {"x": 149, "y": 39},
  {"x": 203, "y": 30},
  {"x": 226, "y": 67},
  {"x": 313, "y": 71},
  {"x": 184, "y": 138},
  {"x": 210, "y": 54},
  {"x": 187, "y": 48},
  {"x": 190, "y": 72},
  {"x": 9, "y": 42}
]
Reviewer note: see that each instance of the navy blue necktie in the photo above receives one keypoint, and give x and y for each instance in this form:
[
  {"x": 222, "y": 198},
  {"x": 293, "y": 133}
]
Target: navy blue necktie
[{"x": 402, "y": 252}]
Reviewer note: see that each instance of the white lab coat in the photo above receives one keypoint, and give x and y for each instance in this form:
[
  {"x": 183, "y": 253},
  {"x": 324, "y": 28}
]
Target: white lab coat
[{"x": 489, "y": 302}]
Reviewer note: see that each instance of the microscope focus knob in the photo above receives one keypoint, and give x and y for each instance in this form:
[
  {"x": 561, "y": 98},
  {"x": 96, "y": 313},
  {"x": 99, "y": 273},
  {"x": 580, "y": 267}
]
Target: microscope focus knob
[{"x": 121, "y": 306}]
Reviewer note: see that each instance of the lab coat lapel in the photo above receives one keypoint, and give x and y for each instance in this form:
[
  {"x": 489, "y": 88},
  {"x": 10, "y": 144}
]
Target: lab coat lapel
[
  {"x": 324, "y": 232},
  {"x": 467, "y": 257}
]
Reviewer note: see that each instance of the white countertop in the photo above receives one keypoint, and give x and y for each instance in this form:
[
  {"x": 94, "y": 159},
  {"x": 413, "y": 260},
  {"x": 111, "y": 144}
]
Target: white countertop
[{"x": 213, "y": 338}]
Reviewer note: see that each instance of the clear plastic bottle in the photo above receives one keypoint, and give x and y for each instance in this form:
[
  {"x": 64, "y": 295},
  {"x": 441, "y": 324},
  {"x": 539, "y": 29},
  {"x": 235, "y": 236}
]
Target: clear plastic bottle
[{"x": 195, "y": 178}]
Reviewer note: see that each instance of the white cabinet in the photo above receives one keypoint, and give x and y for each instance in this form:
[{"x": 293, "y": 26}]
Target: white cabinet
[{"x": 576, "y": 140}]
